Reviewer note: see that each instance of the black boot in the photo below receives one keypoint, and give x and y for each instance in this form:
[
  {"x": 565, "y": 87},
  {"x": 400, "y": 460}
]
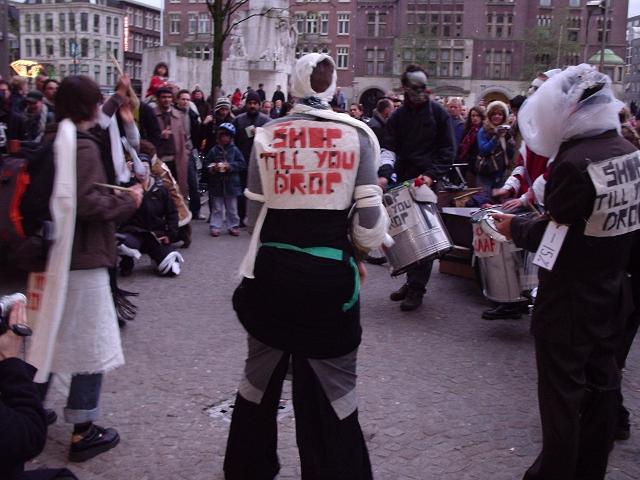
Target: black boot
[
  {"x": 503, "y": 311},
  {"x": 400, "y": 294},
  {"x": 412, "y": 301}
]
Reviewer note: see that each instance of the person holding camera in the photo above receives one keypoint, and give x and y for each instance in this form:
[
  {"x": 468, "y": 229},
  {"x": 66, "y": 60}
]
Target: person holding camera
[
  {"x": 22, "y": 418},
  {"x": 224, "y": 164},
  {"x": 496, "y": 148}
]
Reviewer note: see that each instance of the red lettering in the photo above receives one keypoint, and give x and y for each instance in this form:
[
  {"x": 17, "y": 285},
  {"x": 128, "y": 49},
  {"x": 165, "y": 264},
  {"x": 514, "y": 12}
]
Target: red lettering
[
  {"x": 333, "y": 134},
  {"x": 33, "y": 301},
  {"x": 280, "y": 137},
  {"x": 332, "y": 179},
  {"x": 348, "y": 160},
  {"x": 282, "y": 159},
  {"x": 266, "y": 156},
  {"x": 322, "y": 158},
  {"x": 297, "y": 137},
  {"x": 39, "y": 281},
  {"x": 316, "y": 137},
  {"x": 295, "y": 162},
  {"x": 280, "y": 183},
  {"x": 315, "y": 177},
  {"x": 296, "y": 183}
]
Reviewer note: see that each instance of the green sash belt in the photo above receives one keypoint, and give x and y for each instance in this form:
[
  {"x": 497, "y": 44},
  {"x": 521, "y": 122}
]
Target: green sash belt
[{"x": 331, "y": 254}]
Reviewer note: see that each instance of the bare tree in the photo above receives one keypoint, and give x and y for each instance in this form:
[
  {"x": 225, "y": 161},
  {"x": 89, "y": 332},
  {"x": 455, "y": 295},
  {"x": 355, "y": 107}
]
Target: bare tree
[{"x": 226, "y": 16}]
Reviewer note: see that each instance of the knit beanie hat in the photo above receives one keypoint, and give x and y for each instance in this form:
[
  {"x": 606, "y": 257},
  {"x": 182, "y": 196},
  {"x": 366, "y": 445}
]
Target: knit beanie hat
[
  {"x": 252, "y": 95},
  {"x": 222, "y": 102}
]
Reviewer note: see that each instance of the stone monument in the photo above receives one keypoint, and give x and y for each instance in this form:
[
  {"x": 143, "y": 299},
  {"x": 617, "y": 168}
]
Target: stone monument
[{"x": 262, "y": 48}]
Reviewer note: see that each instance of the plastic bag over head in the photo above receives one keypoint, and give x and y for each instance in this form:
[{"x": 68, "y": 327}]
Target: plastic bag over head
[
  {"x": 557, "y": 112},
  {"x": 301, "y": 77}
]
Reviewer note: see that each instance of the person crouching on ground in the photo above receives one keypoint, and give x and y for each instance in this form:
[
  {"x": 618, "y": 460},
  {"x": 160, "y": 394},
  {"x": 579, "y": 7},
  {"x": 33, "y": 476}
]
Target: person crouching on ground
[
  {"x": 153, "y": 228},
  {"x": 224, "y": 164}
]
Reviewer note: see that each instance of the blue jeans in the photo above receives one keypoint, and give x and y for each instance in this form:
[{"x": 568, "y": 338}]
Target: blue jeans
[
  {"x": 227, "y": 206},
  {"x": 83, "y": 398}
]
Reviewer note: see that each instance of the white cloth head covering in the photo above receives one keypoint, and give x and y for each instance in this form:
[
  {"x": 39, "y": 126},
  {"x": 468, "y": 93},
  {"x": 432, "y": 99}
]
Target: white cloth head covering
[
  {"x": 556, "y": 114},
  {"x": 301, "y": 76}
]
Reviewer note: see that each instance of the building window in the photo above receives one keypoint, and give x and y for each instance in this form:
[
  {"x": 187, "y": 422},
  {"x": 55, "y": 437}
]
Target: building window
[
  {"x": 37, "y": 47},
  {"x": 62, "y": 68},
  {"x": 138, "y": 18},
  {"x": 193, "y": 23},
  {"x": 72, "y": 22},
  {"x": 96, "y": 73},
  {"x": 96, "y": 48},
  {"x": 84, "y": 47},
  {"x": 343, "y": 23},
  {"x": 116, "y": 49},
  {"x": 116, "y": 26},
  {"x": 374, "y": 61},
  {"x": 110, "y": 75},
  {"x": 48, "y": 47},
  {"x": 84, "y": 22},
  {"x": 206, "y": 53},
  {"x": 342, "y": 58},
  {"x": 28, "y": 47},
  {"x": 324, "y": 24},
  {"x": 500, "y": 25},
  {"x": 62, "y": 47},
  {"x": 108, "y": 46},
  {"x": 312, "y": 23},
  {"x": 376, "y": 24},
  {"x": 36, "y": 22},
  {"x": 96, "y": 24},
  {"x": 545, "y": 3},
  {"x": 498, "y": 64},
  {"x": 148, "y": 21},
  {"x": 156, "y": 23},
  {"x": 174, "y": 23},
  {"x": 61, "y": 22},
  {"x": 203, "y": 23},
  {"x": 300, "y": 22},
  {"x": 137, "y": 43},
  {"x": 108, "y": 25},
  {"x": 545, "y": 20},
  {"x": 48, "y": 22},
  {"x": 574, "y": 3}
]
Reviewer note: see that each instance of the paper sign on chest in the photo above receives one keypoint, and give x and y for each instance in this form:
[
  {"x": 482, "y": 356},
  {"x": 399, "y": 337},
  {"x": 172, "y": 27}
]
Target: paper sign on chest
[
  {"x": 616, "y": 209},
  {"x": 308, "y": 164}
]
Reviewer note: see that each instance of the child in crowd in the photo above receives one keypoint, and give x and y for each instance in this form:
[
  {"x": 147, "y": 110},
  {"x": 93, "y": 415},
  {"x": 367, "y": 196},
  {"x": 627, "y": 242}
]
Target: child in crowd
[{"x": 224, "y": 164}]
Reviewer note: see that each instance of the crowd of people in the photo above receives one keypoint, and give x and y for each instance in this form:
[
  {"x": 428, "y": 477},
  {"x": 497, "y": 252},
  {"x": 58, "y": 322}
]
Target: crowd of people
[{"x": 140, "y": 167}]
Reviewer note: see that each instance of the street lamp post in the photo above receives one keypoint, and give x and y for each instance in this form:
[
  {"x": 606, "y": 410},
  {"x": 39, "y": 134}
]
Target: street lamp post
[{"x": 598, "y": 7}]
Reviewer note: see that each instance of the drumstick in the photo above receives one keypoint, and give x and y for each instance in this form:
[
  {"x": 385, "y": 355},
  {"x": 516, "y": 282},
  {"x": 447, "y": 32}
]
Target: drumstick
[
  {"x": 115, "y": 187},
  {"x": 133, "y": 97}
]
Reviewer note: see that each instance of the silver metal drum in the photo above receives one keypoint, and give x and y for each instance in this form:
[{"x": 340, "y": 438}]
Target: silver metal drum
[
  {"x": 417, "y": 230},
  {"x": 508, "y": 270}
]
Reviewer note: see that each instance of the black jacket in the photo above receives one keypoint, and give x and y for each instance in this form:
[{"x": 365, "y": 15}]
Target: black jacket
[
  {"x": 243, "y": 141},
  {"x": 22, "y": 420},
  {"x": 422, "y": 140},
  {"x": 582, "y": 297},
  {"x": 156, "y": 214}
]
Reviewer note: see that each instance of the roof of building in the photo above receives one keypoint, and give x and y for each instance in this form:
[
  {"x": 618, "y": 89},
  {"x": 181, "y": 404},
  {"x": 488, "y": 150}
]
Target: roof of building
[{"x": 610, "y": 58}]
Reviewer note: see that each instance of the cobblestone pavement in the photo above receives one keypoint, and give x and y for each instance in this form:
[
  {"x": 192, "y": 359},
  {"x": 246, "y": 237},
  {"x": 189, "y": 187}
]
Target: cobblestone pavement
[{"x": 443, "y": 394}]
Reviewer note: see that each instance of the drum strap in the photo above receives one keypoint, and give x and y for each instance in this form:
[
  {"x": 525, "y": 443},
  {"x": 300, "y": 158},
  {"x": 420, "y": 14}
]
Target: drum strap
[{"x": 331, "y": 254}]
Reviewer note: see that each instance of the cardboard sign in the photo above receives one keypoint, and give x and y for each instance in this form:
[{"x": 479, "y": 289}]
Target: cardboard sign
[
  {"x": 550, "y": 246},
  {"x": 400, "y": 207},
  {"x": 483, "y": 245},
  {"x": 616, "y": 209},
  {"x": 308, "y": 164}
]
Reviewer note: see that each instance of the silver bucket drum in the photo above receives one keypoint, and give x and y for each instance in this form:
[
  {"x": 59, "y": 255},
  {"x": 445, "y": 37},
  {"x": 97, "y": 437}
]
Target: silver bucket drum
[
  {"x": 507, "y": 271},
  {"x": 417, "y": 230}
]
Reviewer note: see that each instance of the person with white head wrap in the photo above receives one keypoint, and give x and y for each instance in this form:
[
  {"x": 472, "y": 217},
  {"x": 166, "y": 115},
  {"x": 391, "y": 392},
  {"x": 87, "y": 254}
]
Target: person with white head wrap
[
  {"x": 299, "y": 298},
  {"x": 582, "y": 298}
]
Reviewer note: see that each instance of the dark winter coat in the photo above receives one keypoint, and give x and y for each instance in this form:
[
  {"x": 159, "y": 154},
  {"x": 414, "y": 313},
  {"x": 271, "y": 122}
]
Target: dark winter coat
[
  {"x": 156, "y": 214},
  {"x": 581, "y": 298},
  {"x": 422, "y": 139},
  {"x": 243, "y": 141},
  {"x": 22, "y": 418},
  {"x": 226, "y": 184}
]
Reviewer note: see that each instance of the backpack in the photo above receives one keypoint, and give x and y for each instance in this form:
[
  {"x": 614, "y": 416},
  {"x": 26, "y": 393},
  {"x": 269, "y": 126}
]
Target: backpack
[
  {"x": 492, "y": 163},
  {"x": 26, "y": 183}
]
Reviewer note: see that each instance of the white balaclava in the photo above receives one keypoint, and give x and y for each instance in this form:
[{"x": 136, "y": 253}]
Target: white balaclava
[
  {"x": 556, "y": 114},
  {"x": 301, "y": 77}
]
